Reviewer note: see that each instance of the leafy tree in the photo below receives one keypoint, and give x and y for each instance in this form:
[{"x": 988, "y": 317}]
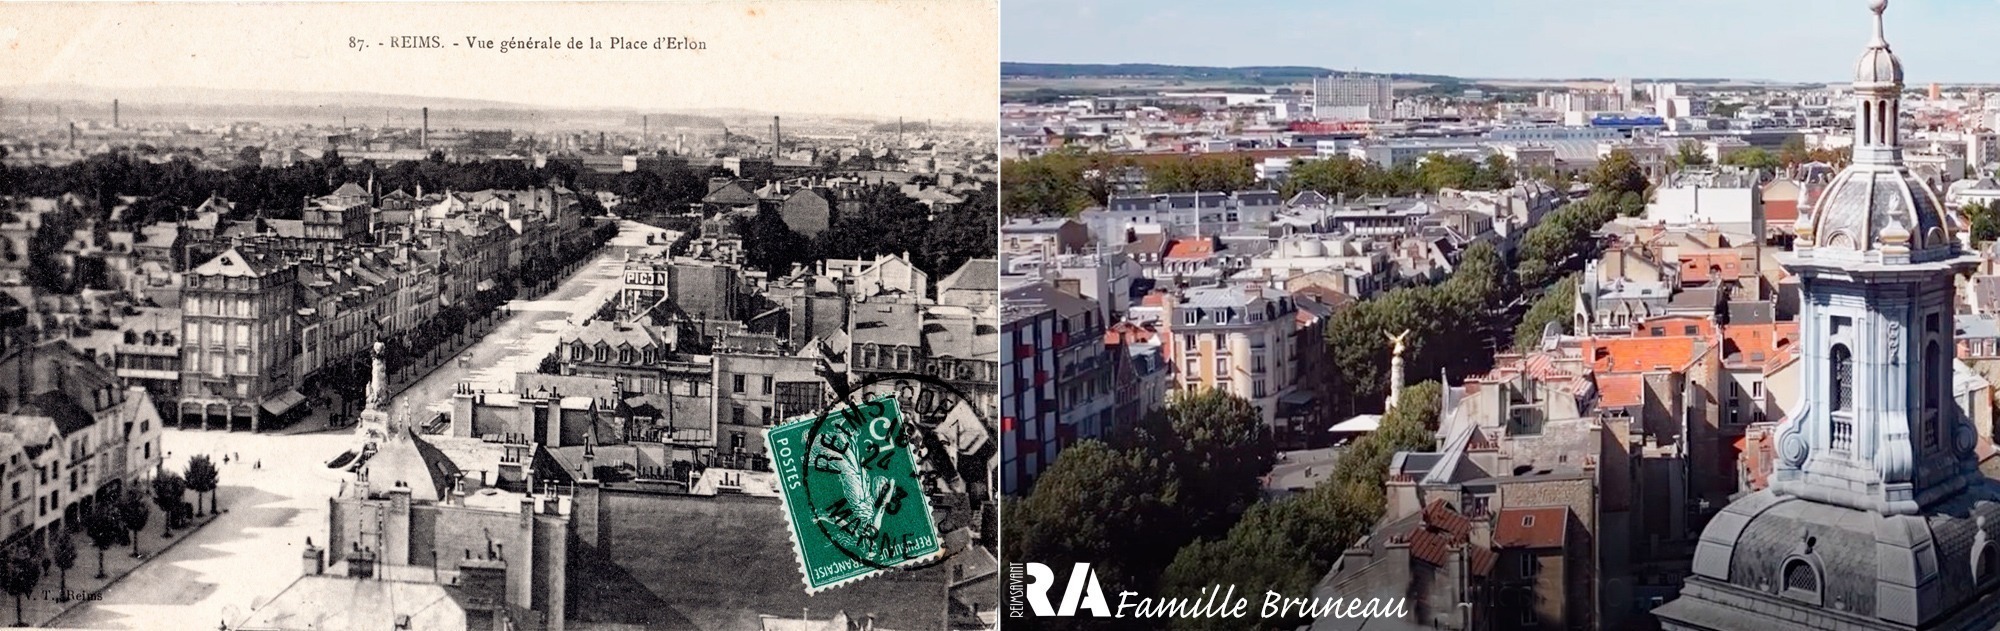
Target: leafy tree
[
  {"x": 1793, "y": 152},
  {"x": 1557, "y": 306},
  {"x": 1689, "y": 154},
  {"x": 1754, "y": 158},
  {"x": 133, "y": 513},
  {"x": 1059, "y": 184},
  {"x": 1981, "y": 219},
  {"x": 1224, "y": 448},
  {"x": 168, "y": 487},
  {"x": 23, "y": 572},
  {"x": 1260, "y": 553},
  {"x": 105, "y": 528},
  {"x": 1620, "y": 172},
  {"x": 1116, "y": 509},
  {"x": 1186, "y": 174},
  {"x": 770, "y": 245},
  {"x": 202, "y": 477},
  {"x": 64, "y": 556}
]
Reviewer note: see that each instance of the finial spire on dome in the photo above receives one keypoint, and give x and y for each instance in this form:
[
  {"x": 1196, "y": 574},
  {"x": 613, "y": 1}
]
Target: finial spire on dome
[{"x": 1881, "y": 40}]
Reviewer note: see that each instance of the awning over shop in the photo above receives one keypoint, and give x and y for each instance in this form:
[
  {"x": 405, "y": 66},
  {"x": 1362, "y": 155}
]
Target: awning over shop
[
  {"x": 283, "y": 403},
  {"x": 1361, "y": 424}
]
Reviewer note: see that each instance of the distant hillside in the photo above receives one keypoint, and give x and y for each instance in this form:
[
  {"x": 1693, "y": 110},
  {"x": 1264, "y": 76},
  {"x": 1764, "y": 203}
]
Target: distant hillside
[{"x": 1245, "y": 74}]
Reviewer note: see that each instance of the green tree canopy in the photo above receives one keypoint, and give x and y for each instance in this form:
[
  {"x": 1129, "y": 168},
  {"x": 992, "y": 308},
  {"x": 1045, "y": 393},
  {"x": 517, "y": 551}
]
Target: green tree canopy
[
  {"x": 1556, "y": 306},
  {"x": 1754, "y": 158}
]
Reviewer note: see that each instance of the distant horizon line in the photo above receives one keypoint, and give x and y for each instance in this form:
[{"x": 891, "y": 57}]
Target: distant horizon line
[
  {"x": 1471, "y": 79},
  {"x": 450, "y": 103}
]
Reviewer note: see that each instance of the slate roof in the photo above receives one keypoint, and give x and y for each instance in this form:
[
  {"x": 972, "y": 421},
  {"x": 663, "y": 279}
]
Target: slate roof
[
  {"x": 974, "y": 275},
  {"x": 338, "y": 603}
]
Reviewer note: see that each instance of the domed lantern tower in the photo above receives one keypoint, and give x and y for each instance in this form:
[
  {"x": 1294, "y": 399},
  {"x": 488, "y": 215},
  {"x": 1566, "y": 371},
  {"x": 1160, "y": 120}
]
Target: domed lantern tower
[{"x": 1877, "y": 516}]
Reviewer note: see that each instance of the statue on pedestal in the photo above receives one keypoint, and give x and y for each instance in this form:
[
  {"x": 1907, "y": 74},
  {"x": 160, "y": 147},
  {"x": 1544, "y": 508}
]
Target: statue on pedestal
[{"x": 1395, "y": 367}]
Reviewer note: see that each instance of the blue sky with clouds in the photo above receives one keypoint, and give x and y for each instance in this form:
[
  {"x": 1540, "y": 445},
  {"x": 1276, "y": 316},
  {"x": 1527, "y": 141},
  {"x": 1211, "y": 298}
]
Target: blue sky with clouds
[{"x": 1943, "y": 41}]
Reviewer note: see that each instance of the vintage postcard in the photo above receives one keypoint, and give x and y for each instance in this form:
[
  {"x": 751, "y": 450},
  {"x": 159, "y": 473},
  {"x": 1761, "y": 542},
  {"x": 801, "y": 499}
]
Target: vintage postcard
[{"x": 477, "y": 316}]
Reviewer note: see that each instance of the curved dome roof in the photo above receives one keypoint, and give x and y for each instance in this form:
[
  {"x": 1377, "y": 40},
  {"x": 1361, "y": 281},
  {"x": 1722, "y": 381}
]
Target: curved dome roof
[
  {"x": 1878, "y": 65},
  {"x": 1870, "y": 209},
  {"x": 1855, "y": 553}
]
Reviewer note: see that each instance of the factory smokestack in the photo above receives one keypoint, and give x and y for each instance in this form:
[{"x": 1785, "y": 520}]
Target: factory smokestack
[
  {"x": 114, "y": 113},
  {"x": 424, "y": 135},
  {"x": 645, "y": 126},
  {"x": 776, "y": 141}
]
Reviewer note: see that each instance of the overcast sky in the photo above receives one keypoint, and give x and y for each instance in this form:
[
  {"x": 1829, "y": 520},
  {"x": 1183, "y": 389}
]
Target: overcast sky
[
  {"x": 1788, "y": 40},
  {"x": 915, "y": 58}
]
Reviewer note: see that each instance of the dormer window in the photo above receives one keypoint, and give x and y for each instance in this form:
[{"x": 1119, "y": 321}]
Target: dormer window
[{"x": 1802, "y": 581}]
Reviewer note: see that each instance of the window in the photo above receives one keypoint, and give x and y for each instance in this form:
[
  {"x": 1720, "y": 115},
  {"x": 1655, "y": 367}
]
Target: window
[
  {"x": 242, "y": 335},
  {"x": 1222, "y": 367},
  {"x": 1188, "y": 342},
  {"x": 1934, "y": 384},
  {"x": 1189, "y": 317},
  {"x": 1841, "y": 381},
  {"x": 767, "y": 384},
  {"x": 1659, "y": 331},
  {"x": 766, "y": 414},
  {"x": 1801, "y": 580},
  {"x": 1688, "y": 330},
  {"x": 242, "y": 363},
  {"x": 736, "y": 415},
  {"x": 1527, "y": 565},
  {"x": 736, "y": 384},
  {"x": 1756, "y": 389}
]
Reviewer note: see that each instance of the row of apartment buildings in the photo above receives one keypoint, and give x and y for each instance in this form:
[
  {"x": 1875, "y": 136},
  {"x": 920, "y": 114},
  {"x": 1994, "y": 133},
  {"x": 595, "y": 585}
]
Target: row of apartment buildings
[{"x": 234, "y": 323}]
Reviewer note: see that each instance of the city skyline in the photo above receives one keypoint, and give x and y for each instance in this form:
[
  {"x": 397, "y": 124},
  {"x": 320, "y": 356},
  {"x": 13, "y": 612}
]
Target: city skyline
[
  {"x": 1775, "y": 40},
  {"x": 937, "y": 53}
]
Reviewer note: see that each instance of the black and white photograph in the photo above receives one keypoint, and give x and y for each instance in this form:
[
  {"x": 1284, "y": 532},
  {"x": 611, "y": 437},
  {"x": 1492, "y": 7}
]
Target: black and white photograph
[{"x": 477, "y": 316}]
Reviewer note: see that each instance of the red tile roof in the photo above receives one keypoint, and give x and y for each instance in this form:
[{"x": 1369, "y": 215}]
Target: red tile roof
[
  {"x": 1439, "y": 515},
  {"x": 1617, "y": 390},
  {"x": 1433, "y": 536},
  {"x": 1128, "y": 333},
  {"x": 1756, "y": 344},
  {"x": 1196, "y": 248},
  {"x": 1780, "y": 211},
  {"x": 1703, "y": 267},
  {"x": 1629, "y": 354},
  {"x": 1543, "y": 527},
  {"x": 1482, "y": 561}
]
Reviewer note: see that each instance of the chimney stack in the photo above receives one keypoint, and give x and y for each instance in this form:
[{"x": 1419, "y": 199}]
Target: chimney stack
[
  {"x": 315, "y": 559},
  {"x": 424, "y": 135}
]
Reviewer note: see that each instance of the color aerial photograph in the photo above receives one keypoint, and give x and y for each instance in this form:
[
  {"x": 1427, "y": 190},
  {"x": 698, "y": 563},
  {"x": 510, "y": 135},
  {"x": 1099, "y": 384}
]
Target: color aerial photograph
[
  {"x": 499, "y": 317},
  {"x": 1496, "y": 316}
]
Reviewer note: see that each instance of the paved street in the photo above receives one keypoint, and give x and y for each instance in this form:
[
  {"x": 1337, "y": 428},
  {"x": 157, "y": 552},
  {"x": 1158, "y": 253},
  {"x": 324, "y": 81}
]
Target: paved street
[
  {"x": 519, "y": 343},
  {"x": 253, "y": 551}
]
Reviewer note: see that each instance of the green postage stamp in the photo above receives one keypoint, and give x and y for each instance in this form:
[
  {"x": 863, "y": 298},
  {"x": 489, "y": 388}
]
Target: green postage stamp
[{"x": 851, "y": 493}]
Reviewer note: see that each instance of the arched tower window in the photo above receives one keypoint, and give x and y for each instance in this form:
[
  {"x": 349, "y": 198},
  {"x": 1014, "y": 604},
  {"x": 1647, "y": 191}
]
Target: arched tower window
[
  {"x": 1863, "y": 133},
  {"x": 1840, "y": 382},
  {"x": 1933, "y": 386}
]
